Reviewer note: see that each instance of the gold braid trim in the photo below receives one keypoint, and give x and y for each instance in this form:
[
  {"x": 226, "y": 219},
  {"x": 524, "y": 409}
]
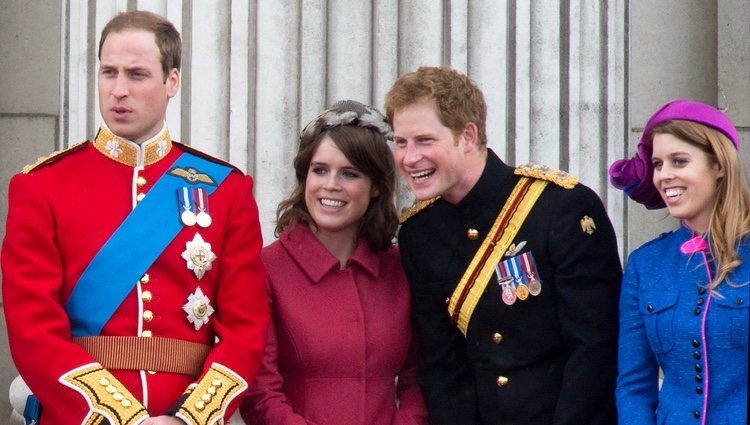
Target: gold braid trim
[
  {"x": 207, "y": 400},
  {"x": 544, "y": 172},
  {"x": 96, "y": 419},
  {"x": 45, "y": 159},
  {"x": 414, "y": 209},
  {"x": 106, "y": 396}
]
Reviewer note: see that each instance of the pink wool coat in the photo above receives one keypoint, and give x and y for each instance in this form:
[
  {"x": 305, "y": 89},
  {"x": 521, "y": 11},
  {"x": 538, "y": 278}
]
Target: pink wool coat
[{"x": 338, "y": 339}]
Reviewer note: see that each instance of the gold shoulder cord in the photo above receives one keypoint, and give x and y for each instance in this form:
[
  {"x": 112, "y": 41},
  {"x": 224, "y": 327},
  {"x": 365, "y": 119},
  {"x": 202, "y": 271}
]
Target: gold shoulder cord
[
  {"x": 207, "y": 400},
  {"x": 544, "y": 172},
  {"x": 107, "y": 397},
  {"x": 44, "y": 159},
  {"x": 414, "y": 209}
]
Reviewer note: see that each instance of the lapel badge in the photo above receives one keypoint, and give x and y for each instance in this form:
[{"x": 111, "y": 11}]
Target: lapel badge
[
  {"x": 587, "y": 225},
  {"x": 514, "y": 249},
  {"x": 198, "y": 309},
  {"x": 198, "y": 256}
]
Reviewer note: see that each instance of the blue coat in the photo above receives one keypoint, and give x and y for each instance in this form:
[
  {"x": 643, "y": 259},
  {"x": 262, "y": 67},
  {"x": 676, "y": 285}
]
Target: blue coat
[{"x": 662, "y": 307}]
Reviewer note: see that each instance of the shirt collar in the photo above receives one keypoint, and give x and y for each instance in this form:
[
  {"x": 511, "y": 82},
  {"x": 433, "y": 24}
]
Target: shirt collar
[{"x": 132, "y": 154}]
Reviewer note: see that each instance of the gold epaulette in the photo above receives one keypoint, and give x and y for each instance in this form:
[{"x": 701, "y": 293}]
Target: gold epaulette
[
  {"x": 208, "y": 399},
  {"x": 414, "y": 209},
  {"x": 544, "y": 172},
  {"x": 51, "y": 157}
]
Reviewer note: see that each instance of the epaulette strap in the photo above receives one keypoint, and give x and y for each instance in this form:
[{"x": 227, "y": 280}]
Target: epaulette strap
[
  {"x": 207, "y": 156},
  {"x": 45, "y": 159},
  {"x": 544, "y": 172},
  {"x": 414, "y": 209}
]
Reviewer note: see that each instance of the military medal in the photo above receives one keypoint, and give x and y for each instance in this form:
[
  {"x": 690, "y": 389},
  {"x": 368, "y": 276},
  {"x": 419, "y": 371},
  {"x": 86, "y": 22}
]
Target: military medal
[
  {"x": 508, "y": 295},
  {"x": 529, "y": 269},
  {"x": 201, "y": 200},
  {"x": 187, "y": 216},
  {"x": 198, "y": 256},
  {"x": 522, "y": 291},
  {"x": 198, "y": 309}
]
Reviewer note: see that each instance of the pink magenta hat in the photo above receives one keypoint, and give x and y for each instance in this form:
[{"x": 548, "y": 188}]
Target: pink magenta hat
[{"x": 635, "y": 175}]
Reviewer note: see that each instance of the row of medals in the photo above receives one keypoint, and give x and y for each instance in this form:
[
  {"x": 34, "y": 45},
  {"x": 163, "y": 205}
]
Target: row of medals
[{"x": 514, "y": 288}]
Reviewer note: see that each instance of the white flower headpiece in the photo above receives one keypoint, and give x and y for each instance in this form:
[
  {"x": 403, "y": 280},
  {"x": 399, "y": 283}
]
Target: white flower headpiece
[{"x": 349, "y": 112}]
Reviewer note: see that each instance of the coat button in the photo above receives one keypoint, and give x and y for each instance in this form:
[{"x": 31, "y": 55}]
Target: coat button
[
  {"x": 699, "y": 390},
  {"x": 649, "y": 308},
  {"x": 140, "y": 181},
  {"x": 696, "y": 344},
  {"x": 738, "y": 301},
  {"x": 146, "y": 296},
  {"x": 697, "y": 311},
  {"x": 696, "y": 414},
  {"x": 501, "y": 381},
  {"x": 472, "y": 234},
  {"x": 148, "y": 316},
  {"x": 147, "y": 334},
  {"x": 139, "y": 197},
  {"x": 696, "y": 355},
  {"x": 701, "y": 290},
  {"x": 497, "y": 338},
  {"x": 145, "y": 278}
]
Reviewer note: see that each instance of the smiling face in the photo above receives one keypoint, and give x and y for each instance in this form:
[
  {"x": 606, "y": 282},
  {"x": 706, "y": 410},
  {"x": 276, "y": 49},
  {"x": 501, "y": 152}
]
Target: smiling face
[
  {"x": 133, "y": 90},
  {"x": 336, "y": 193},
  {"x": 687, "y": 179},
  {"x": 432, "y": 160}
]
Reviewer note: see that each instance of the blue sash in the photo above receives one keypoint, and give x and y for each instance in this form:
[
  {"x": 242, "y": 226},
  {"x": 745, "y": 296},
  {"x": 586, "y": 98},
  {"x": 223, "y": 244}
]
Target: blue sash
[{"x": 134, "y": 246}]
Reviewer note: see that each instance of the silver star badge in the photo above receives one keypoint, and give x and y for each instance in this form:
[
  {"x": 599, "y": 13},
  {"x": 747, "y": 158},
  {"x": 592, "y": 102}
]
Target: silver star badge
[
  {"x": 198, "y": 309},
  {"x": 198, "y": 255}
]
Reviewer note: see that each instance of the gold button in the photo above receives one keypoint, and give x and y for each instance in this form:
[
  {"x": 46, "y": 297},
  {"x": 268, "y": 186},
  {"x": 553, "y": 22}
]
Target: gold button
[
  {"x": 103, "y": 382},
  {"x": 199, "y": 406},
  {"x": 145, "y": 278},
  {"x": 497, "y": 338},
  {"x": 216, "y": 383},
  {"x": 148, "y": 316},
  {"x": 472, "y": 234},
  {"x": 111, "y": 389},
  {"x": 206, "y": 398},
  {"x": 126, "y": 403},
  {"x": 211, "y": 390},
  {"x": 139, "y": 197},
  {"x": 501, "y": 381},
  {"x": 118, "y": 396},
  {"x": 146, "y": 296},
  {"x": 147, "y": 334},
  {"x": 140, "y": 181},
  {"x": 151, "y": 372}
]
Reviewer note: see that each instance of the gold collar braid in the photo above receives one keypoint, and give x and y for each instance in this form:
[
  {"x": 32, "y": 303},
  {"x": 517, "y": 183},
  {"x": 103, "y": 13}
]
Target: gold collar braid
[{"x": 126, "y": 152}]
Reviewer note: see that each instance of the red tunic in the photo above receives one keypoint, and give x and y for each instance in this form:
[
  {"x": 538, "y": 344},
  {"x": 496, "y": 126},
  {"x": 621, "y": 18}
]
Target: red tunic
[{"x": 62, "y": 212}]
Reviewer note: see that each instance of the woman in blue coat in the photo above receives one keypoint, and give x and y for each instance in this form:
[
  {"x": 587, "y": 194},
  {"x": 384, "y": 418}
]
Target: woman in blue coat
[{"x": 684, "y": 300}]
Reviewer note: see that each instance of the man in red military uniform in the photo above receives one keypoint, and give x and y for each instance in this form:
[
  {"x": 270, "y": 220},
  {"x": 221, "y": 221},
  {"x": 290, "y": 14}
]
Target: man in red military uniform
[{"x": 132, "y": 283}]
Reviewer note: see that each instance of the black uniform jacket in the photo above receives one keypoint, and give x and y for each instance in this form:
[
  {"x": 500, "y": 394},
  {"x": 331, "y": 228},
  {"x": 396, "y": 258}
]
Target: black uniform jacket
[{"x": 551, "y": 359}]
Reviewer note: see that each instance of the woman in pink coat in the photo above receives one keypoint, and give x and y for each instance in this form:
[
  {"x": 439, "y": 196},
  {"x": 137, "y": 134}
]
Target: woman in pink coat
[{"x": 339, "y": 347}]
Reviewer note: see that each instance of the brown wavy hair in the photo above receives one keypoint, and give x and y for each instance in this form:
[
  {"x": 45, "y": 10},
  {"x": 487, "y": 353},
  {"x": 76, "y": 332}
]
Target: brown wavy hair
[
  {"x": 368, "y": 151},
  {"x": 730, "y": 217},
  {"x": 456, "y": 98}
]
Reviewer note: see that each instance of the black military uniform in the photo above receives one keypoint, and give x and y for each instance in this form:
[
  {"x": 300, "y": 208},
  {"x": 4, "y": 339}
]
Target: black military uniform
[{"x": 551, "y": 359}]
